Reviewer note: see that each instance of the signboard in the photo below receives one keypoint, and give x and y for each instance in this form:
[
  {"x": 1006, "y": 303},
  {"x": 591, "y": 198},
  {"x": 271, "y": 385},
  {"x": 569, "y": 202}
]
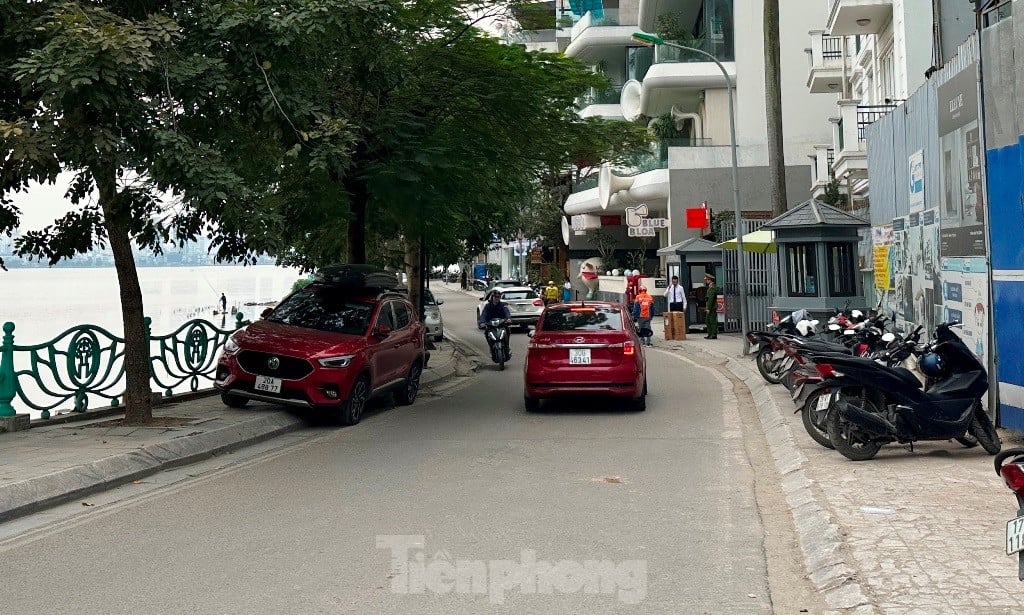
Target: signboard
[
  {"x": 696, "y": 217},
  {"x": 639, "y": 225},
  {"x": 917, "y": 181},
  {"x": 881, "y": 245},
  {"x": 536, "y": 256},
  {"x": 962, "y": 198}
]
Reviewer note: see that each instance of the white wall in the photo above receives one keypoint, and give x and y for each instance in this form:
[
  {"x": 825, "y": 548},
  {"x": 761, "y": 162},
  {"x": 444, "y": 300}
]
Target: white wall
[{"x": 804, "y": 115}]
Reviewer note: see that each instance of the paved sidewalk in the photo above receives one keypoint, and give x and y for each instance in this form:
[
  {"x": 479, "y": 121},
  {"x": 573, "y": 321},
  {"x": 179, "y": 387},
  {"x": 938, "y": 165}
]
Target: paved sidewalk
[
  {"x": 907, "y": 532},
  {"x": 54, "y": 463}
]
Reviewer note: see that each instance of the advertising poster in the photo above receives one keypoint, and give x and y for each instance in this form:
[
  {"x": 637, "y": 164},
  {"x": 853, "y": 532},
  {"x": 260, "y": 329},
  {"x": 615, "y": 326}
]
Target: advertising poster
[
  {"x": 965, "y": 299},
  {"x": 917, "y": 181},
  {"x": 962, "y": 209}
]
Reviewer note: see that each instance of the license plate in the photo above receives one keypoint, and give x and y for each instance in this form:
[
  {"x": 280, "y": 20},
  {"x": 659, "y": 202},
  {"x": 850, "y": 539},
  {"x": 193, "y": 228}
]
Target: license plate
[
  {"x": 824, "y": 401},
  {"x": 523, "y": 308},
  {"x": 579, "y": 356},
  {"x": 266, "y": 384},
  {"x": 1015, "y": 535},
  {"x": 778, "y": 354}
]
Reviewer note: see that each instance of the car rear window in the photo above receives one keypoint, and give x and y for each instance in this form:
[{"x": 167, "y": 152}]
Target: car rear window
[
  {"x": 325, "y": 308},
  {"x": 582, "y": 319},
  {"x": 518, "y": 295}
]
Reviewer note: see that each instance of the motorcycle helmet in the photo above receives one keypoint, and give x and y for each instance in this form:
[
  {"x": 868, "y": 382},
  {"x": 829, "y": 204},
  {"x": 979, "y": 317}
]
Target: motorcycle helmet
[{"x": 932, "y": 364}]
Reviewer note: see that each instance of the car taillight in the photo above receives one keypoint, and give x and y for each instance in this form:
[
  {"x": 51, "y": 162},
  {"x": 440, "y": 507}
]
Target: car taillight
[
  {"x": 628, "y": 349},
  {"x": 1013, "y": 476},
  {"x": 538, "y": 302}
]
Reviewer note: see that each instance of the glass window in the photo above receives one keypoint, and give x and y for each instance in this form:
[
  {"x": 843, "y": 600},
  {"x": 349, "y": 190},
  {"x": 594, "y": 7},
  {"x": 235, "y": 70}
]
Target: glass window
[
  {"x": 428, "y": 298},
  {"x": 402, "y": 314},
  {"x": 801, "y": 270},
  {"x": 325, "y": 308},
  {"x": 518, "y": 295},
  {"x": 386, "y": 317},
  {"x": 581, "y": 319},
  {"x": 842, "y": 269}
]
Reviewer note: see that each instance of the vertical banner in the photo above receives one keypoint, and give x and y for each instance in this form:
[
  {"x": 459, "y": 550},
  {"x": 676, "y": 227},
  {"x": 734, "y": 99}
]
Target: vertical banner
[
  {"x": 963, "y": 197},
  {"x": 916, "y": 164}
]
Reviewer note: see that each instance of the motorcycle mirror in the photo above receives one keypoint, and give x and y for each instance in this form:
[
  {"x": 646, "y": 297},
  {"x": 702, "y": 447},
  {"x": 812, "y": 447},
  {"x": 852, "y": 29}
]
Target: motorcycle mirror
[{"x": 266, "y": 312}]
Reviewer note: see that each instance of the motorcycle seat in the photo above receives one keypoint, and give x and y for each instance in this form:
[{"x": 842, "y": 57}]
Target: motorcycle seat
[
  {"x": 907, "y": 376},
  {"x": 820, "y": 346}
]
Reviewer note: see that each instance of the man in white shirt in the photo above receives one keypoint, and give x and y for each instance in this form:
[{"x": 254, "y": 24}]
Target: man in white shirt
[{"x": 676, "y": 296}]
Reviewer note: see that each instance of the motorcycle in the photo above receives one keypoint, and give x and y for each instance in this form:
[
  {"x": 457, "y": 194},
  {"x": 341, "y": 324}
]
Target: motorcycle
[
  {"x": 1010, "y": 466},
  {"x": 771, "y": 357},
  {"x": 497, "y": 334},
  {"x": 889, "y": 404}
]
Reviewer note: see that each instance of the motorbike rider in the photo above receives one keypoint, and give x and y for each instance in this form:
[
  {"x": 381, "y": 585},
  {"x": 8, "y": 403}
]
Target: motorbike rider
[{"x": 495, "y": 308}]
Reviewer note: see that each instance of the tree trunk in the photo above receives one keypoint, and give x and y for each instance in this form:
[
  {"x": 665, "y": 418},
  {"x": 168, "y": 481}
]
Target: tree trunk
[
  {"x": 413, "y": 270},
  {"x": 138, "y": 403},
  {"x": 773, "y": 100},
  {"x": 358, "y": 197}
]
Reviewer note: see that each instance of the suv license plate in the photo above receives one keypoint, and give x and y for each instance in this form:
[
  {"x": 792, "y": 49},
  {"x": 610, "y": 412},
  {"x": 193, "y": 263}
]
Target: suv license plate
[
  {"x": 266, "y": 384},
  {"x": 579, "y": 356},
  {"x": 1015, "y": 535}
]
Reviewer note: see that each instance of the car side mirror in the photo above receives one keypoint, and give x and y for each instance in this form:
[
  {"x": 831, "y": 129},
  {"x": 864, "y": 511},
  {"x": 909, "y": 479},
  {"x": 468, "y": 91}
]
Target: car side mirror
[
  {"x": 381, "y": 332},
  {"x": 440, "y": 302},
  {"x": 531, "y": 333},
  {"x": 266, "y": 312}
]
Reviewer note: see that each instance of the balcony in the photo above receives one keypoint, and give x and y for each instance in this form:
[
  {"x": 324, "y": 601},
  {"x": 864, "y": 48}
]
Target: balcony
[
  {"x": 601, "y": 102},
  {"x": 600, "y": 28},
  {"x": 821, "y": 169},
  {"x": 849, "y": 17},
  {"x": 826, "y": 64},
  {"x": 850, "y": 136}
]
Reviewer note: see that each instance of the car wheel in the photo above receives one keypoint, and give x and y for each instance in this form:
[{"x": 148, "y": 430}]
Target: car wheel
[
  {"x": 352, "y": 410},
  {"x": 639, "y": 404},
  {"x": 532, "y": 403},
  {"x": 234, "y": 401},
  {"x": 407, "y": 394}
]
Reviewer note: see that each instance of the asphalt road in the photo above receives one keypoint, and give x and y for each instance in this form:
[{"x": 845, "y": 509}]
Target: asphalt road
[{"x": 462, "y": 503}]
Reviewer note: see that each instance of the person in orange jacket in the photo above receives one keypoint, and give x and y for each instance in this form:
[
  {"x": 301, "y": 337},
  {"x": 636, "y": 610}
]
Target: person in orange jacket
[{"x": 643, "y": 311}]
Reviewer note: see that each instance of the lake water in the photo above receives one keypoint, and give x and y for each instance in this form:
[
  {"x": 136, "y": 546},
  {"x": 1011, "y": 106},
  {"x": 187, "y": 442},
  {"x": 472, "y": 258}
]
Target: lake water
[{"x": 44, "y": 302}]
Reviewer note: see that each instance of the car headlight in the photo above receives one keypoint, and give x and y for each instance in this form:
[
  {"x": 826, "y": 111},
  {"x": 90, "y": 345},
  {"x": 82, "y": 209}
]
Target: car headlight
[
  {"x": 340, "y": 361},
  {"x": 230, "y": 345}
]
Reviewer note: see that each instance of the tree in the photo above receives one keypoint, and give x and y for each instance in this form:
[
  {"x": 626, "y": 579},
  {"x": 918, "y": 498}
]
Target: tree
[
  {"x": 165, "y": 115},
  {"x": 773, "y": 104}
]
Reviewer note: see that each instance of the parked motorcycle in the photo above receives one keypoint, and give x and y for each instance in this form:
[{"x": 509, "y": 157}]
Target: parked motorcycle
[
  {"x": 1010, "y": 466},
  {"x": 892, "y": 406},
  {"x": 496, "y": 330},
  {"x": 770, "y": 356}
]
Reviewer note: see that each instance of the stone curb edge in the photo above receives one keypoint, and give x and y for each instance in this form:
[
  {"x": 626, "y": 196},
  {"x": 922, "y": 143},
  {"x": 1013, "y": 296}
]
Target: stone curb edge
[
  {"x": 819, "y": 537},
  {"x": 34, "y": 494}
]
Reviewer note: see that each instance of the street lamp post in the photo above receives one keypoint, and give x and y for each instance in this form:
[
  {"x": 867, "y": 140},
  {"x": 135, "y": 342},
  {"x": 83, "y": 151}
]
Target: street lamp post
[{"x": 650, "y": 40}]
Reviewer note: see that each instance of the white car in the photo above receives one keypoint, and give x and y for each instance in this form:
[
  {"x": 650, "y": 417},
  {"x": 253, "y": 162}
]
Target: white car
[
  {"x": 523, "y": 302},
  {"x": 432, "y": 316}
]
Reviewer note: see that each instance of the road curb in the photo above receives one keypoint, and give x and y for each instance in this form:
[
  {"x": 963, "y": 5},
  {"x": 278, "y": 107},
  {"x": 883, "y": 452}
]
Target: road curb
[
  {"x": 820, "y": 539},
  {"x": 30, "y": 495}
]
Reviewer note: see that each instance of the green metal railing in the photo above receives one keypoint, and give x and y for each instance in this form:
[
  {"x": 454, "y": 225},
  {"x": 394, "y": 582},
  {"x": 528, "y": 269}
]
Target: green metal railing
[{"x": 87, "y": 361}]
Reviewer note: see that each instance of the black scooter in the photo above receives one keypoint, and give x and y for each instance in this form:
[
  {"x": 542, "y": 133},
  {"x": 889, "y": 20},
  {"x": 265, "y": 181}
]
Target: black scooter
[
  {"x": 893, "y": 407},
  {"x": 496, "y": 331}
]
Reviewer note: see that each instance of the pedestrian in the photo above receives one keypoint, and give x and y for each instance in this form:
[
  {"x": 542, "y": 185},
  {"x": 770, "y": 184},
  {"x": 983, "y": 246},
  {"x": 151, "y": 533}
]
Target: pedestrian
[
  {"x": 223, "y": 303},
  {"x": 566, "y": 290},
  {"x": 550, "y": 292},
  {"x": 676, "y": 296},
  {"x": 643, "y": 311},
  {"x": 711, "y": 305},
  {"x": 462, "y": 280}
]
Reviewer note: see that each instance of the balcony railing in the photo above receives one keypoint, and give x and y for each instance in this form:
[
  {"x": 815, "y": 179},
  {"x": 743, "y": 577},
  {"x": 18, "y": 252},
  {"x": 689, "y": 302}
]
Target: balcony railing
[
  {"x": 720, "y": 48},
  {"x": 607, "y": 96},
  {"x": 869, "y": 114},
  {"x": 638, "y": 62},
  {"x": 604, "y": 17},
  {"x": 831, "y": 47}
]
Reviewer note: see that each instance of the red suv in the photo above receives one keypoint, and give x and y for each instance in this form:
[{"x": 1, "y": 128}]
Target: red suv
[
  {"x": 332, "y": 346},
  {"x": 585, "y": 349}
]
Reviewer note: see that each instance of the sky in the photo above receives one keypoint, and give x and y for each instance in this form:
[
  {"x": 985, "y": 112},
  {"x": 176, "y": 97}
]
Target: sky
[{"x": 41, "y": 204}]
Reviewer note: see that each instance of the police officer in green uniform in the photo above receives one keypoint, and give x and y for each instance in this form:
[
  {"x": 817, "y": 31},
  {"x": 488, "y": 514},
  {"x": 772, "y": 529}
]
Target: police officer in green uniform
[{"x": 712, "y": 306}]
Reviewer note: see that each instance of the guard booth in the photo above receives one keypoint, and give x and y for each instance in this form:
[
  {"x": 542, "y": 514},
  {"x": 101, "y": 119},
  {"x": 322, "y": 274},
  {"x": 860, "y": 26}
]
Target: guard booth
[
  {"x": 690, "y": 260},
  {"x": 817, "y": 254}
]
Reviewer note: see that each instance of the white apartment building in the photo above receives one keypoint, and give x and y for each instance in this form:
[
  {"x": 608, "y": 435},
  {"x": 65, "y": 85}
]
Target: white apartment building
[
  {"x": 654, "y": 84},
  {"x": 870, "y": 56}
]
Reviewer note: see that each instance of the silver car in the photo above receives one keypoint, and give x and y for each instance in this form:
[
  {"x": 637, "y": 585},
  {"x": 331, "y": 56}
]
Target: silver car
[
  {"x": 524, "y": 304},
  {"x": 432, "y": 316}
]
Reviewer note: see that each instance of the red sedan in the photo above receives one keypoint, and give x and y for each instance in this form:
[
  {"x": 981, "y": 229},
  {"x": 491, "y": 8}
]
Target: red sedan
[{"x": 585, "y": 349}]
